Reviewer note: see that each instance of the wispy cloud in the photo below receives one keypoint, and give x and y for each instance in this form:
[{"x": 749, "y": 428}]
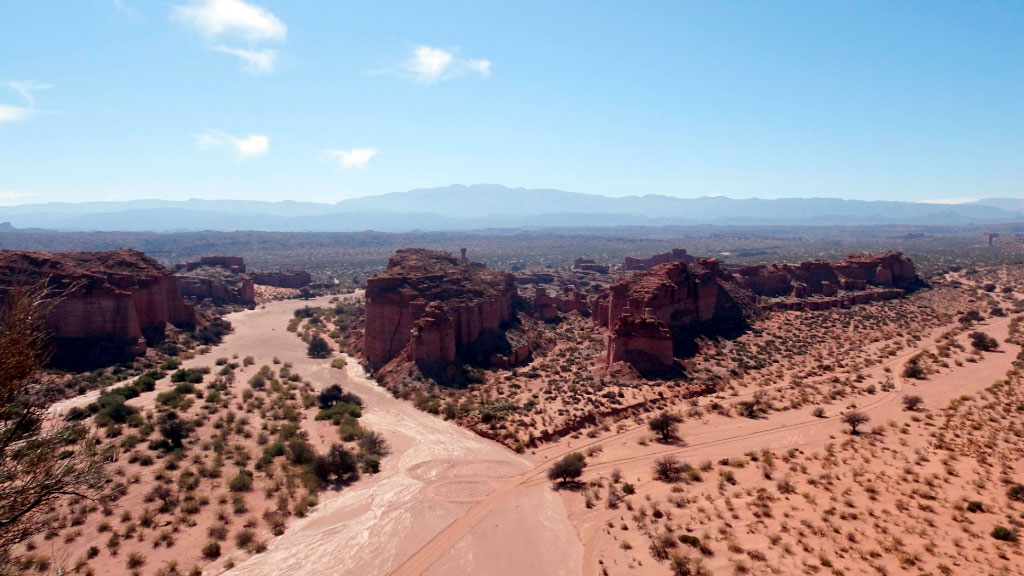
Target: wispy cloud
[
  {"x": 429, "y": 65},
  {"x": 14, "y": 113},
  {"x": 245, "y": 147},
  {"x": 216, "y": 18},
  {"x": 356, "y": 158},
  {"x": 236, "y": 20},
  {"x": 255, "y": 62},
  {"x": 27, "y": 88}
]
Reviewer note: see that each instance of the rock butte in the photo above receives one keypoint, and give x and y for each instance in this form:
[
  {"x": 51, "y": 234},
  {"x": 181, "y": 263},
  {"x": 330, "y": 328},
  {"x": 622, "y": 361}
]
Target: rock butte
[
  {"x": 116, "y": 302},
  {"x": 220, "y": 279},
  {"x": 675, "y": 255},
  {"x": 428, "y": 304}
]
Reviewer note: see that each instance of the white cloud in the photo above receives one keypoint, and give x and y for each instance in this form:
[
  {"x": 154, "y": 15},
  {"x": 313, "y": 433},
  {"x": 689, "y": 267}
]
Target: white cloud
[
  {"x": 26, "y": 89},
  {"x": 251, "y": 146},
  {"x": 358, "y": 158},
  {"x": 256, "y": 62},
  {"x": 14, "y": 114},
  {"x": 962, "y": 200},
  {"x": 483, "y": 67},
  {"x": 430, "y": 65},
  {"x": 214, "y": 18}
]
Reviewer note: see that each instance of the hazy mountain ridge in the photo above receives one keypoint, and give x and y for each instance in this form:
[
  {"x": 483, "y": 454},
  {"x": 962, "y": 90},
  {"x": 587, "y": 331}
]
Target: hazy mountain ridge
[{"x": 492, "y": 206}]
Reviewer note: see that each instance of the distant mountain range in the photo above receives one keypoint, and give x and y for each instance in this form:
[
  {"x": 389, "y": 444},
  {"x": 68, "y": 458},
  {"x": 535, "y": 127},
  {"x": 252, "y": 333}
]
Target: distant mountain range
[{"x": 487, "y": 206}]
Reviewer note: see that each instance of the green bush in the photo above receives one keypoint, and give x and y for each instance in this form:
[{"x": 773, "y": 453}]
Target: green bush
[
  {"x": 1004, "y": 534},
  {"x": 242, "y": 482}
]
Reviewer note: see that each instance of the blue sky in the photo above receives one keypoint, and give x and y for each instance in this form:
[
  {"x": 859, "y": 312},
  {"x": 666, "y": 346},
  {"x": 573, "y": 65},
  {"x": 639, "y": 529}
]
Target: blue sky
[{"x": 274, "y": 99}]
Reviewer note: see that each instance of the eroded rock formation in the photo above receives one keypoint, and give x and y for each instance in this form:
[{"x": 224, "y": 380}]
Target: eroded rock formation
[
  {"x": 678, "y": 299},
  {"x": 116, "y": 302},
  {"x": 550, "y": 307},
  {"x": 428, "y": 303},
  {"x": 220, "y": 279},
  {"x": 630, "y": 264},
  {"x": 817, "y": 277}
]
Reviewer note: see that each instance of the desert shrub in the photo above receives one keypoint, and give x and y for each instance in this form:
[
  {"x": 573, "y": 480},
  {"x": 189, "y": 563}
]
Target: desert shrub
[
  {"x": 913, "y": 368},
  {"x": 975, "y": 506},
  {"x": 349, "y": 429},
  {"x": 568, "y": 468},
  {"x": 855, "y": 420},
  {"x": 983, "y": 342},
  {"x": 211, "y": 550},
  {"x": 818, "y": 412},
  {"x": 190, "y": 375},
  {"x": 371, "y": 464},
  {"x": 337, "y": 465},
  {"x": 691, "y": 541},
  {"x": 242, "y": 482},
  {"x": 300, "y": 452},
  {"x": 174, "y": 430},
  {"x": 374, "y": 444},
  {"x": 1016, "y": 492},
  {"x": 213, "y": 332},
  {"x": 912, "y": 403},
  {"x": 665, "y": 424},
  {"x": 244, "y": 537},
  {"x": 318, "y": 348},
  {"x": 1004, "y": 534},
  {"x": 339, "y": 411},
  {"x": 669, "y": 469}
]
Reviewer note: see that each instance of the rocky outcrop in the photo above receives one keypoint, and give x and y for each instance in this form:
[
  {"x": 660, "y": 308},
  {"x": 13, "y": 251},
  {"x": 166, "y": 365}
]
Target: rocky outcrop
[
  {"x": 220, "y": 289},
  {"x": 675, "y": 255},
  {"x": 818, "y": 277},
  {"x": 282, "y": 279},
  {"x": 679, "y": 299},
  {"x": 550, "y": 307},
  {"x": 433, "y": 334},
  {"x": 588, "y": 265},
  {"x": 219, "y": 279},
  {"x": 636, "y": 337},
  {"x": 235, "y": 264},
  {"x": 881, "y": 269},
  {"x": 114, "y": 303},
  {"x": 438, "y": 288}
]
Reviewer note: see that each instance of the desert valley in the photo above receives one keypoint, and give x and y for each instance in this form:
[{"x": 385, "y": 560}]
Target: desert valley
[
  {"x": 511, "y": 288},
  {"x": 670, "y": 413}
]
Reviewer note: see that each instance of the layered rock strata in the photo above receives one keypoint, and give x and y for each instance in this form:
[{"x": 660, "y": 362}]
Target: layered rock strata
[
  {"x": 428, "y": 303},
  {"x": 113, "y": 303}
]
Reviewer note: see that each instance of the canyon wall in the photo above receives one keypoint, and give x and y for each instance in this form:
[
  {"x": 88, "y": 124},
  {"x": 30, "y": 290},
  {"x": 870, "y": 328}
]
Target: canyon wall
[
  {"x": 114, "y": 302},
  {"x": 647, "y": 313},
  {"x": 856, "y": 272},
  {"x": 456, "y": 300}
]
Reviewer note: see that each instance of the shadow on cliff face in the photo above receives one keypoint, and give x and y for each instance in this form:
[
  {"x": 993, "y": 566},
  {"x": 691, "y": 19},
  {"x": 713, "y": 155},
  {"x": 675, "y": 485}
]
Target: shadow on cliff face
[
  {"x": 650, "y": 367},
  {"x": 91, "y": 353},
  {"x": 733, "y": 312}
]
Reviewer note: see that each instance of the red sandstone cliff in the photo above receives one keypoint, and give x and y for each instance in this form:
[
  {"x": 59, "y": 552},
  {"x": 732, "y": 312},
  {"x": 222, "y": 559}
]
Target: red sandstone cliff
[
  {"x": 857, "y": 272},
  {"x": 115, "y": 301},
  {"x": 676, "y": 298},
  {"x": 438, "y": 288}
]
